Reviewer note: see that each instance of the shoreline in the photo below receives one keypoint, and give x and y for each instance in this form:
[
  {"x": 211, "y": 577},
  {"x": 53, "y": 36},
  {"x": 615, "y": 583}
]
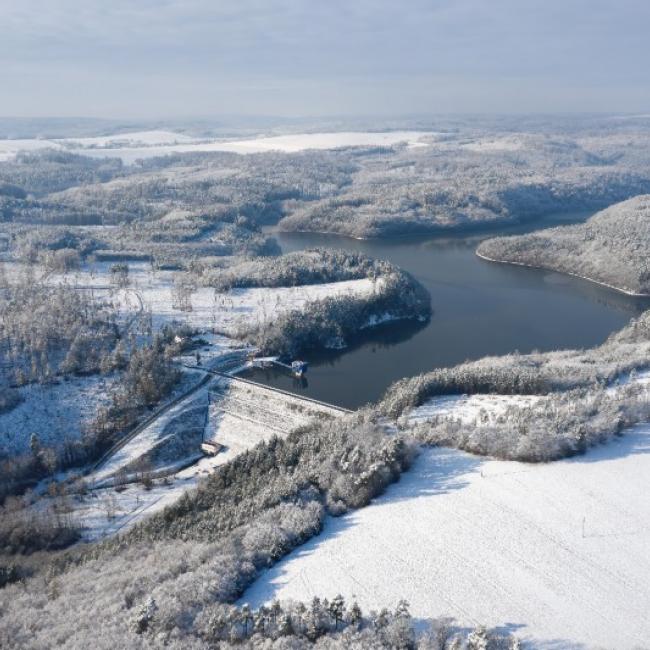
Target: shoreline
[
  {"x": 463, "y": 230},
  {"x": 574, "y": 275}
]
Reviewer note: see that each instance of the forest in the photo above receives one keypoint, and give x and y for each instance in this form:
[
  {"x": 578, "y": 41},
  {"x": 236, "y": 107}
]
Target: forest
[
  {"x": 314, "y": 266},
  {"x": 480, "y": 176},
  {"x": 463, "y": 184},
  {"x": 611, "y": 247},
  {"x": 558, "y": 425},
  {"x": 333, "y": 322}
]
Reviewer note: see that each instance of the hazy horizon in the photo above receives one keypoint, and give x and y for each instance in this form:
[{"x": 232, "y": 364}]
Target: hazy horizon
[{"x": 285, "y": 58}]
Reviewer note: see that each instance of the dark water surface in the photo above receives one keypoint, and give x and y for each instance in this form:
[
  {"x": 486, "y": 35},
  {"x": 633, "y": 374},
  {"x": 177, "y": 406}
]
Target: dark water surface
[{"x": 479, "y": 308}]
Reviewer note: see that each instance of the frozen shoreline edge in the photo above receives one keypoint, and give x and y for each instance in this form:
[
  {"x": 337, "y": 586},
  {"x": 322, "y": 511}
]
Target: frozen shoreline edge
[{"x": 575, "y": 275}]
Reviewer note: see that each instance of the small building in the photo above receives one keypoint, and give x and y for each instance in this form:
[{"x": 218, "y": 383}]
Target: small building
[
  {"x": 211, "y": 448},
  {"x": 299, "y": 368}
]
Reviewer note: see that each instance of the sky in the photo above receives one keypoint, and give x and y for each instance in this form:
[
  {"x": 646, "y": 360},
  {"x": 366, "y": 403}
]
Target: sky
[{"x": 196, "y": 58}]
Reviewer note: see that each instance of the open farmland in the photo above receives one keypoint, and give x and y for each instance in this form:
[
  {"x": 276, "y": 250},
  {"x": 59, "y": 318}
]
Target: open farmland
[
  {"x": 133, "y": 146},
  {"x": 206, "y": 308},
  {"x": 556, "y": 553}
]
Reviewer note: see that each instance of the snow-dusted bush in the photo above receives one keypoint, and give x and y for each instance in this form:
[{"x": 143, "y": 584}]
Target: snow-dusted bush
[
  {"x": 24, "y": 531},
  {"x": 337, "y": 624},
  {"x": 37, "y": 244},
  {"x": 9, "y": 398}
]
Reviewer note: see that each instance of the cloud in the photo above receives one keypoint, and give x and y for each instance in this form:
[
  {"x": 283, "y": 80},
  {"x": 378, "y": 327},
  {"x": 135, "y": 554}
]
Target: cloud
[{"x": 276, "y": 54}]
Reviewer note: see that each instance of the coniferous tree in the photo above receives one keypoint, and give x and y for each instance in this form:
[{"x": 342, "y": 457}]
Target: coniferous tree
[{"x": 337, "y": 610}]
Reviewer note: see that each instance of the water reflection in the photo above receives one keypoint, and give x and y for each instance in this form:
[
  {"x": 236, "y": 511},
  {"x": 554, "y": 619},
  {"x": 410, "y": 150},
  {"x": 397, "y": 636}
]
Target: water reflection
[{"x": 480, "y": 309}]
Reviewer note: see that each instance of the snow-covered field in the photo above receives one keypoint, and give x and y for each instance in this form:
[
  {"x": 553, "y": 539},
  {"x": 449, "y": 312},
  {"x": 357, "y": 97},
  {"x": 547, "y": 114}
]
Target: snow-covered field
[
  {"x": 469, "y": 408},
  {"x": 556, "y": 553},
  {"x": 131, "y": 139},
  {"x": 302, "y": 141},
  {"x": 147, "y": 144},
  {"x": 283, "y": 143},
  {"x": 244, "y": 307},
  {"x": 9, "y": 148},
  {"x": 54, "y": 412},
  {"x": 211, "y": 310}
]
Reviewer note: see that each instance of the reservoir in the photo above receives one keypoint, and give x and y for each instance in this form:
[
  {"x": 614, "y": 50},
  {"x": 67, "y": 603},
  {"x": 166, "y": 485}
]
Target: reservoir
[{"x": 480, "y": 308}]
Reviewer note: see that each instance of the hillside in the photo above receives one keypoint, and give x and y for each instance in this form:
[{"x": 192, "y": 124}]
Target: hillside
[
  {"x": 474, "y": 181},
  {"x": 172, "y": 579},
  {"x": 156, "y": 189},
  {"x": 610, "y": 248},
  {"x": 499, "y": 542}
]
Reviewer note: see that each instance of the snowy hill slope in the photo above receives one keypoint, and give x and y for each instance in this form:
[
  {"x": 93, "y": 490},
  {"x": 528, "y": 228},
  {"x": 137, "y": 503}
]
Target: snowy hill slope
[
  {"x": 557, "y": 553},
  {"x": 611, "y": 248}
]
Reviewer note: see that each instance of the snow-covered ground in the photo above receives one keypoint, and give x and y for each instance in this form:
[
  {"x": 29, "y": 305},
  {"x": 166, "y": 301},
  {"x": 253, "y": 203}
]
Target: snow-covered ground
[
  {"x": 556, "y": 553},
  {"x": 506, "y": 143},
  {"x": 283, "y": 143},
  {"x": 468, "y": 408},
  {"x": 9, "y": 148},
  {"x": 244, "y": 307},
  {"x": 59, "y": 411},
  {"x": 102, "y": 513},
  {"x": 137, "y": 139},
  {"x": 153, "y": 434},
  {"x": 301, "y": 141},
  {"x": 107, "y": 511},
  {"x": 131, "y": 139},
  {"x": 471, "y": 408},
  {"x": 238, "y": 415},
  {"x": 641, "y": 378},
  {"x": 211, "y": 351},
  {"x": 147, "y": 144},
  {"x": 54, "y": 412},
  {"x": 226, "y": 312},
  {"x": 210, "y": 310}
]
